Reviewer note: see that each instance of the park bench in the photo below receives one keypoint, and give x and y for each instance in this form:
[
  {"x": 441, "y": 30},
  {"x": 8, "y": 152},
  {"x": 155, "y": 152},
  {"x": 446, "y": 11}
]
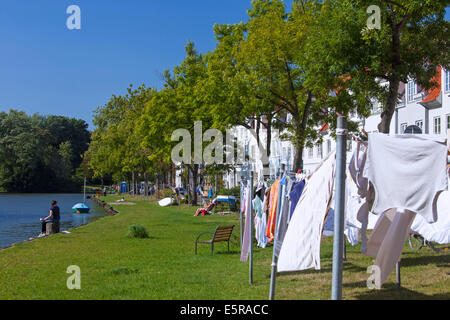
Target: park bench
[{"x": 220, "y": 235}]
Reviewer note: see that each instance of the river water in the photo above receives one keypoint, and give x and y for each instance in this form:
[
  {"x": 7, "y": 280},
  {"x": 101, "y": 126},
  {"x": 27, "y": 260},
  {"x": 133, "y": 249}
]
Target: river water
[{"x": 20, "y": 214}]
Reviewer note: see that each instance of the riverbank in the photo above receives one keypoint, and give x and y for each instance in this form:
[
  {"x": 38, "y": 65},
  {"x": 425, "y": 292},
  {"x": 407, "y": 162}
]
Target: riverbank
[{"x": 165, "y": 266}]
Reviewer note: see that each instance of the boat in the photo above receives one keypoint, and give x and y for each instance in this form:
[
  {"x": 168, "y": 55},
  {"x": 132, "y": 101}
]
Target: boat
[
  {"x": 80, "y": 208},
  {"x": 166, "y": 202}
]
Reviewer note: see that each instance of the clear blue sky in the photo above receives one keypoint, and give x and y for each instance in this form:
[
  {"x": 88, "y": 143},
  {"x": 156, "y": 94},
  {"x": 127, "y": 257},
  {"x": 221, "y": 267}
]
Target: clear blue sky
[{"x": 48, "y": 69}]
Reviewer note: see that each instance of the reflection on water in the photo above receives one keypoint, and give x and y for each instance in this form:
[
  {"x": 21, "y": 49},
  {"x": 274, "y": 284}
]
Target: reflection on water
[{"x": 20, "y": 214}]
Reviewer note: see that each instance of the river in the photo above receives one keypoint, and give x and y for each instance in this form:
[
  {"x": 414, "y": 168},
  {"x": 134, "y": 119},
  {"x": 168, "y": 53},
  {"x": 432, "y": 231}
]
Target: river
[{"x": 20, "y": 214}]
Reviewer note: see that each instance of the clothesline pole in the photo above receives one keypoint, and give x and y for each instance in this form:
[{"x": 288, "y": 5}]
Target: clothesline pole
[
  {"x": 273, "y": 273},
  {"x": 241, "y": 217},
  {"x": 250, "y": 213},
  {"x": 397, "y": 268},
  {"x": 338, "y": 246}
]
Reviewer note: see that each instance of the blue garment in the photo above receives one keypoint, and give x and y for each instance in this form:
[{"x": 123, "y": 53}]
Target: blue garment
[
  {"x": 56, "y": 215},
  {"x": 295, "y": 195}
]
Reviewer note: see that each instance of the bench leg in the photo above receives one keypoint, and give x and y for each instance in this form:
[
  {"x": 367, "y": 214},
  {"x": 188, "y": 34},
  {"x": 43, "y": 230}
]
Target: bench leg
[
  {"x": 228, "y": 245},
  {"x": 196, "y": 248},
  {"x": 212, "y": 248}
]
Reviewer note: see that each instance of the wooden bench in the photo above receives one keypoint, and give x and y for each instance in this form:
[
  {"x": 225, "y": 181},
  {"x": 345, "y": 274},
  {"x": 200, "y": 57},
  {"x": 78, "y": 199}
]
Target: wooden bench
[{"x": 220, "y": 235}]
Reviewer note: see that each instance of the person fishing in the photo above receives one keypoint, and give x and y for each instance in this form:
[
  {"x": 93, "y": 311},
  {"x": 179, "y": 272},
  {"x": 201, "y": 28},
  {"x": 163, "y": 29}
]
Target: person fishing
[{"x": 54, "y": 217}]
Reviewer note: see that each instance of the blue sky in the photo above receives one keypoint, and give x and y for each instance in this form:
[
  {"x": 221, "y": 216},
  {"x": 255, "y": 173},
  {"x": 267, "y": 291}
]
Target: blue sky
[{"x": 48, "y": 69}]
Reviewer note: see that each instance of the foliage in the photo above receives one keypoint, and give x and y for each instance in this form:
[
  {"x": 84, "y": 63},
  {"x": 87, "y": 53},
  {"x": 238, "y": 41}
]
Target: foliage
[
  {"x": 40, "y": 154},
  {"x": 137, "y": 231}
]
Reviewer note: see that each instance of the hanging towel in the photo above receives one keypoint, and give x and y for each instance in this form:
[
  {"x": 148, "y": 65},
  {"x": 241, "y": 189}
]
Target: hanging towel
[
  {"x": 301, "y": 246},
  {"x": 270, "y": 232},
  {"x": 248, "y": 216},
  {"x": 408, "y": 172}
]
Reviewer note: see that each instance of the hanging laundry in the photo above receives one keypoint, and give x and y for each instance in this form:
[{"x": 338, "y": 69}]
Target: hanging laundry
[
  {"x": 388, "y": 239},
  {"x": 395, "y": 166},
  {"x": 295, "y": 195},
  {"x": 439, "y": 231},
  {"x": 270, "y": 232},
  {"x": 248, "y": 215},
  {"x": 260, "y": 223},
  {"x": 267, "y": 202},
  {"x": 283, "y": 221},
  {"x": 359, "y": 196},
  {"x": 301, "y": 246},
  {"x": 407, "y": 172}
]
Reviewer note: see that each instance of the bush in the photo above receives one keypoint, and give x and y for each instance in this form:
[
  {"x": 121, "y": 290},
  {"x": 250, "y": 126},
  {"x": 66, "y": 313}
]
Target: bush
[{"x": 137, "y": 231}]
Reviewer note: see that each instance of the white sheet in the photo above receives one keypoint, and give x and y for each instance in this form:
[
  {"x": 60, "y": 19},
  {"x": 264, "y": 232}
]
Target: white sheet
[{"x": 301, "y": 245}]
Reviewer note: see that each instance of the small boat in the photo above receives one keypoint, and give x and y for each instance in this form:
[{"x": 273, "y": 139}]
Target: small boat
[
  {"x": 166, "y": 202},
  {"x": 80, "y": 208}
]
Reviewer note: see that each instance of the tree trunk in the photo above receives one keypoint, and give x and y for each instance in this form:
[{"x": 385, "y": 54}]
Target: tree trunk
[
  {"x": 394, "y": 82},
  {"x": 266, "y": 166}
]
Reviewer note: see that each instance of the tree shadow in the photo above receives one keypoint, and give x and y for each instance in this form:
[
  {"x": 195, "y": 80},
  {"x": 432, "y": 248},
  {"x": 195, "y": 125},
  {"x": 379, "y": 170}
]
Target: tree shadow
[
  {"x": 390, "y": 291},
  {"x": 347, "y": 267},
  {"x": 442, "y": 260}
]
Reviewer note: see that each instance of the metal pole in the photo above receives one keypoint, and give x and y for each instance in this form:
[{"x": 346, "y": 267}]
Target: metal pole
[
  {"x": 397, "y": 269},
  {"x": 241, "y": 218},
  {"x": 273, "y": 273},
  {"x": 338, "y": 246},
  {"x": 250, "y": 216},
  {"x": 344, "y": 256}
]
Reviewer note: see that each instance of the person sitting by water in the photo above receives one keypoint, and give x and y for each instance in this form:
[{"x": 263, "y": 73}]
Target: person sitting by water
[{"x": 54, "y": 216}]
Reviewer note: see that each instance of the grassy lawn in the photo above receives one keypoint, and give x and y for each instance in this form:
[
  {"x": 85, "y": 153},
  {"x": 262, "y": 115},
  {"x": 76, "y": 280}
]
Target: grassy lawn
[{"x": 165, "y": 266}]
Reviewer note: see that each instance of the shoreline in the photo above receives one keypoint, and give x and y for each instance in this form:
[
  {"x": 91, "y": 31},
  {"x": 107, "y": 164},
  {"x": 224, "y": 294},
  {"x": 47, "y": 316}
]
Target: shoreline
[{"x": 110, "y": 211}]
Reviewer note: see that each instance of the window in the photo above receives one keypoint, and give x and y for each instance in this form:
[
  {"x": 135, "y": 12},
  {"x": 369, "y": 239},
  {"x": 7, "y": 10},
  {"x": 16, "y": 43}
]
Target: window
[
  {"x": 403, "y": 127},
  {"x": 447, "y": 80},
  {"x": 437, "y": 125},
  {"x": 411, "y": 91},
  {"x": 419, "y": 123},
  {"x": 310, "y": 153},
  {"x": 320, "y": 151},
  {"x": 328, "y": 146},
  {"x": 448, "y": 121}
]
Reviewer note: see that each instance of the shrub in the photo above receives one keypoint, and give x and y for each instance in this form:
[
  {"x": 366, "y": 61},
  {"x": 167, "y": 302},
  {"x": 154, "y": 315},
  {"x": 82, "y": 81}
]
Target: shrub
[{"x": 137, "y": 231}]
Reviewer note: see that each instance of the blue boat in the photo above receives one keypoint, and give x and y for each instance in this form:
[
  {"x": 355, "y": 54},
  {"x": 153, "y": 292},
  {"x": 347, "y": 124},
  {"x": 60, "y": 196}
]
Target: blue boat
[{"x": 80, "y": 208}]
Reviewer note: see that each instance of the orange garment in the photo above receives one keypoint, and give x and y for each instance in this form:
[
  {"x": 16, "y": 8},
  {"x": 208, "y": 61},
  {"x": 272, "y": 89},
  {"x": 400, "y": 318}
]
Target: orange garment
[{"x": 270, "y": 231}]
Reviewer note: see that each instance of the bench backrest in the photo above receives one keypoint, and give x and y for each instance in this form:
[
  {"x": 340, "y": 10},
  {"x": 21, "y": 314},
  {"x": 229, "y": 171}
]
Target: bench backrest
[{"x": 223, "y": 233}]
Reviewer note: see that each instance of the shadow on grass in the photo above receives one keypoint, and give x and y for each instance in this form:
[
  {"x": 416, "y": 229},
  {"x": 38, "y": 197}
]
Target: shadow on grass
[
  {"x": 391, "y": 292},
  {"x": 442, "y": 260},
  {"x": 347, "y": 267}
]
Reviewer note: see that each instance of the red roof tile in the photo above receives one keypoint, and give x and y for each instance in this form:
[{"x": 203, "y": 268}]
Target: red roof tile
[{"x": 436, "y": 91}]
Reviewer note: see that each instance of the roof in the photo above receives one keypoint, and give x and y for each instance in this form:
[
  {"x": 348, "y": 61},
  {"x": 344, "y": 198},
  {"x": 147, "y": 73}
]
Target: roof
[{"x": 435, "y": 92}]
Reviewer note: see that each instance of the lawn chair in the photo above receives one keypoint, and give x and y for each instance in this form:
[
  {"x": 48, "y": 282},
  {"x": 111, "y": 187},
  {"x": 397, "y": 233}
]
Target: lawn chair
[{"x": 220, "y": 235}]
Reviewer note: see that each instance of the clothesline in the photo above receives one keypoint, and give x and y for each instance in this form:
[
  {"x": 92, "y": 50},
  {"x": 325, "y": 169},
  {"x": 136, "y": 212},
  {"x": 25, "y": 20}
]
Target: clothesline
[{"x": 296, "y": 225}]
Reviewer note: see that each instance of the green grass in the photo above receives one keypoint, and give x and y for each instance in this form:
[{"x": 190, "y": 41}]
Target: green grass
[{"x": 164, "y": 266}]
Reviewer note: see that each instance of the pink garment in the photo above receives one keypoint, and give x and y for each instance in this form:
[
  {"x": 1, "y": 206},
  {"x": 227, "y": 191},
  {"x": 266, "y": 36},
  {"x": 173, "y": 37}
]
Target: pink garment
[
  {"x": 248, "y": 216},
  {"x": 388, "y": 239}
]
